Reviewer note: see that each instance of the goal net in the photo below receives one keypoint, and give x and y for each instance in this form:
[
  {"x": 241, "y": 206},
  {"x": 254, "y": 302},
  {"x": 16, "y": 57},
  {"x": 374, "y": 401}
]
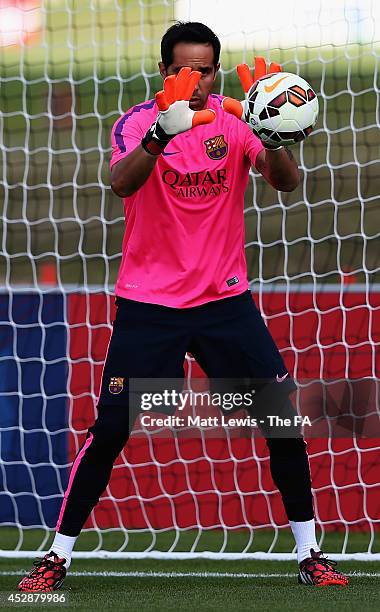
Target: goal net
[{"x": 69, "y": 69}]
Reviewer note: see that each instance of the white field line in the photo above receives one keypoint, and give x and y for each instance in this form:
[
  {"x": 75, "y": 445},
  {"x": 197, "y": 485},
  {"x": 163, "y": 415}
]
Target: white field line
[
  {"x": 182, "y": 556},
  {"x": 153, "y": 574}
]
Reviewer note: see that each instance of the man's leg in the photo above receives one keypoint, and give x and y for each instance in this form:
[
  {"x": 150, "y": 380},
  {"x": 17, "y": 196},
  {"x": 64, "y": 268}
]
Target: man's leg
[
  {"x": 290, "y": 471},
  {"x": 232, "y": 341},
  {"x": 147, "y": 341},
  {"x": 90, "y": 474}
]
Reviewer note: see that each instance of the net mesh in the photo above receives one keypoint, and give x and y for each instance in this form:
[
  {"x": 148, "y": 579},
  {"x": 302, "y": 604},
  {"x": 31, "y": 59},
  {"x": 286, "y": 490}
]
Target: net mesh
[{"x": 69, "y": 70}]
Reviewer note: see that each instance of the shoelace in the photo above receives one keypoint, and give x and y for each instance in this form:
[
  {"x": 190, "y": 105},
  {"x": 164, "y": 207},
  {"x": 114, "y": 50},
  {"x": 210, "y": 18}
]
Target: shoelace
[
  {"x": 49, "y": 563},
  {"x": 318, "y": 556}
]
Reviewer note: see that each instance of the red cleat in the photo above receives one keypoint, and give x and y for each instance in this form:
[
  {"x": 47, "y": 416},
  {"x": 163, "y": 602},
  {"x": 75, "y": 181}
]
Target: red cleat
[
  {"x": 48, "y": 574},
  {"x": 317, "y": 570}
]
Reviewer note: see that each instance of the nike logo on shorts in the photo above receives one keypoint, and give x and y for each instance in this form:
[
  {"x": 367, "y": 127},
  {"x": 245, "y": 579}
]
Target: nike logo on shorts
[{"x": 281, "y": 379}]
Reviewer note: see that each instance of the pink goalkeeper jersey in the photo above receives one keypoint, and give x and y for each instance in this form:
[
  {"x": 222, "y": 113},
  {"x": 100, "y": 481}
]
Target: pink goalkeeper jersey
[{"x": 184, "y": 236}]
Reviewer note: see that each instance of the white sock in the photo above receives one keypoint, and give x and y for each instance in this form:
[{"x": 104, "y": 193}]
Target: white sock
[
  {"x": 304, "y": 535},
  {"x": 63, "y": 546}
]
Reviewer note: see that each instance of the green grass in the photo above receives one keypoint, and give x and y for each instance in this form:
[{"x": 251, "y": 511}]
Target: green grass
[
  {"x": 82, "y": 58},
  {"x": 212, "y": 540},
  {"x": 264, "y": 592},
  {"x": 271, "y": 585},
  {"x": 83, "y": 36}
]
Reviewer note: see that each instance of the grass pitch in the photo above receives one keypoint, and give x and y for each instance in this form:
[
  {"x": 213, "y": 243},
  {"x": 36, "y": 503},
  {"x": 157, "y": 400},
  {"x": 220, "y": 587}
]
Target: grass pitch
[
  {"x": 203, "y": 585},
  {"x": 198, "y": 584}
]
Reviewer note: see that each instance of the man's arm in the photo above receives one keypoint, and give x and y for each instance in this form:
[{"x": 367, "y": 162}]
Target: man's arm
[
  {"x": 131, "y": 172},
  {"x": 279, "y": 168},
  {"x": 277, "y": 165},
  {"x": 174, "y": 117}
]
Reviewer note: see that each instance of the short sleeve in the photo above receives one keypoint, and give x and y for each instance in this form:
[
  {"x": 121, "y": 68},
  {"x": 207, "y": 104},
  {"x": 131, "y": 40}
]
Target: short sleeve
[
  {"x": 252, "y": 145},
  {"x": 126, "y": 134}
]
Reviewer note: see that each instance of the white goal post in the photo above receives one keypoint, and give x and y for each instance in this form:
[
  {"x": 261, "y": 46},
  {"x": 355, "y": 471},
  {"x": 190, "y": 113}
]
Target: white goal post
[{"x": 70, "y": 68}]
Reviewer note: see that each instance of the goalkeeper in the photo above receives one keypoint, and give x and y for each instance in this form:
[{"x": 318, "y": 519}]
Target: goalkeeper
[{"x": 181, "y": 163}]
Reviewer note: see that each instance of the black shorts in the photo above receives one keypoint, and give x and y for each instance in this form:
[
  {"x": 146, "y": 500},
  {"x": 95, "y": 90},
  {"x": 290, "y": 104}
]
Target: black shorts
[{"x": 228, "y": 338}]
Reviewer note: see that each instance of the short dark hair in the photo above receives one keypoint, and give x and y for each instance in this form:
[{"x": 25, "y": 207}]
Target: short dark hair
[{"x": 188, "y": 31}]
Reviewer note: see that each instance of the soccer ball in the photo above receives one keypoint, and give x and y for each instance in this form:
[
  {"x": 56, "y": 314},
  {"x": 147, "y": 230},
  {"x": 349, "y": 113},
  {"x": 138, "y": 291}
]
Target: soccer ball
[{"x": 281, "y": 108}]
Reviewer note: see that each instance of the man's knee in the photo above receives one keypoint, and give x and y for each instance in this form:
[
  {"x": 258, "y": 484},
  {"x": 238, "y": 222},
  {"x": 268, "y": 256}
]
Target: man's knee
[
  {"x": 274, "y": 411},
  {"x": 286, "y": 447},
  {"x": 111, "y": 429}
]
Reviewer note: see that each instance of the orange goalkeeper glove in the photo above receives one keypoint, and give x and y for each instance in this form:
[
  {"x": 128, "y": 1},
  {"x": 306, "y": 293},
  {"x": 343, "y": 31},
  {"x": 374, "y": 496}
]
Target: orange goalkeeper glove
[
  {"x": 240, "y": 108},
  {"x": 175, "y": 114}
]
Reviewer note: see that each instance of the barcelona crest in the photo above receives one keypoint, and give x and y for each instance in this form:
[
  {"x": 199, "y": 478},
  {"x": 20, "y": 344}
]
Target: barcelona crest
[
  {"x": 216, "y": 147},
  {"x": 116, "y": 385}
]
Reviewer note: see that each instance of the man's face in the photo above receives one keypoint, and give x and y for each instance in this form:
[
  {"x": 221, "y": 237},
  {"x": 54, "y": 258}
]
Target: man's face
[{"x": 197, "y": 56}]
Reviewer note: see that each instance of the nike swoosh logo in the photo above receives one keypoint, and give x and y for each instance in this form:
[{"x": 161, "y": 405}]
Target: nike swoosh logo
[
  {"x": 270, "y": 88},
  {"x": 280, "y": 379},
  {"x": 174, "y": 153}
]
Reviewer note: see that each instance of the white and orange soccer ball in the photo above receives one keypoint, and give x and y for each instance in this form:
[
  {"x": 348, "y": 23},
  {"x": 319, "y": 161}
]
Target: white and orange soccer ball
[{"x": 281, "y": 108}]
